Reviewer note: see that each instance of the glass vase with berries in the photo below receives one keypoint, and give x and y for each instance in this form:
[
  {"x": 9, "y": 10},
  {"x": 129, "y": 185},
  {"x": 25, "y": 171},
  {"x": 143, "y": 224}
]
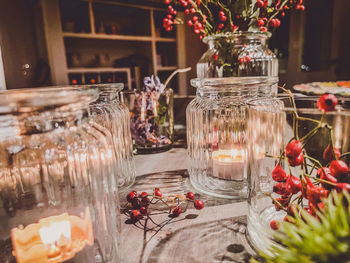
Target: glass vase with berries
[
  {"x": 305, "y": 144},
  {"x": 236, "y": 32}
]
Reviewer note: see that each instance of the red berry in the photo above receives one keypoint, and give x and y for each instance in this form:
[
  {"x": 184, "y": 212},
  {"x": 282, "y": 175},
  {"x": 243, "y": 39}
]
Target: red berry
[
  {"x": 283, "y": 14},
  {"x": 135, "y": 203},
  {"x": 169, "y": 28},
  {"x": 221, "y": 26},
  {"x": 221, "y": 13},
  {"x": 278, "y": 174},
  {"x": 135, "y": 215},
  {"x": 325, "y": 174},
  {"x": 241, "y": 60},
  {"x": 195, "y": 18},
  {"x": 215, "y": 57},
  {"x": 338, "y": 169},
  {"x": 190, "y": 195},
  {"x": 157, "y": 192},
  {"x": 296, "y": 161},
  {"x": 293, "y": 184},
  {"x": 306, "y": 184},
  {"x": 272, "y": 22},
  {"x": 343, "y": 186},
  {"x": 327, "y": 102},
  {"x": 131, "y": 196},
  {"x": 167, "y": 2},
  {"x": 196, "y": 31},
  {"x": 189, "y": 23},
  {"x": 187, "y": 11},
  {"x": 293, "y": 149},
  {"x": 193, "y": 10},
  {"x": 143, "y": 194},
  {"x": 328, "y": 154},
  {"x": 274, "y": 225},
  {"x": 263, "y": 29},
  {"x": 279, "y": 188},
  {"x": 145, "y": 201},
  {"x": 247, "y": 59},
  {"x": 223, "y": 18},
  {"x": 316, "y": 193},
  {"x": 261, "y": 22},
  {"x": 143, "y": 210},
  {"x": 259, "y": 3},
  {"x": 198, "y": 204},
  {"x": 177, "y": 211}
]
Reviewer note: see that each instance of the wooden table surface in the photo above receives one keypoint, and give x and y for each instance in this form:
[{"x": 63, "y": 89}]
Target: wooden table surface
[{"x": 216, "y": 233}]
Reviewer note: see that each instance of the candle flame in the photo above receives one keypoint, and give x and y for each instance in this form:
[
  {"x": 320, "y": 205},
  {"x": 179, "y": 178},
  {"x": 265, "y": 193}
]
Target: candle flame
[
  {"x": 56, "y": 233},
  {"x": 232, "y": 155}
]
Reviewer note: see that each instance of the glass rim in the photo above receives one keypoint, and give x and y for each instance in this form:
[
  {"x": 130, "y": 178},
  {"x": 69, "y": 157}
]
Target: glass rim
[
  {"x": 32, "y": 99},
  {"x": 106, "y": 87},
  {"x": 280, "y": 98},
  {"x": 222, "y": 83},
  {"x": 249, "y": 34}
]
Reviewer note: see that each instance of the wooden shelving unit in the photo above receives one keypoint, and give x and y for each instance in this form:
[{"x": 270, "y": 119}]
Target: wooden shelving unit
[{"x": 81, "y": 29}]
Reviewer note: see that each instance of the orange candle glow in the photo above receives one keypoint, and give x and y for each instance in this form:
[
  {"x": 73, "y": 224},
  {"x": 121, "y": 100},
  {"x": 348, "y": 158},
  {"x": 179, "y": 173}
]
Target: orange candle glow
[
  {"x": 229, "y": 164},
  {"x": 54, "y": 239}
]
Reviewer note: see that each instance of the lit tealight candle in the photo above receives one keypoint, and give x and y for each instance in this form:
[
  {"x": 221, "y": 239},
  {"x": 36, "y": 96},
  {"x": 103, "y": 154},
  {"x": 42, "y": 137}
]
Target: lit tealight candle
[
  {"x": 54, "y": 239},
  {"x": 229, "y": 164}
]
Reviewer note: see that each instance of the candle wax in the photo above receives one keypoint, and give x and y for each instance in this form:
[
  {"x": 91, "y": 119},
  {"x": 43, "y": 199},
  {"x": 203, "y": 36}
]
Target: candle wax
[{"x": 229, "y": 164}]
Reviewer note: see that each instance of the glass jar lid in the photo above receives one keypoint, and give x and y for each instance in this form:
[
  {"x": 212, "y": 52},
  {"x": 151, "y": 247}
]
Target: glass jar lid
[{"x": 46, "y": 98}]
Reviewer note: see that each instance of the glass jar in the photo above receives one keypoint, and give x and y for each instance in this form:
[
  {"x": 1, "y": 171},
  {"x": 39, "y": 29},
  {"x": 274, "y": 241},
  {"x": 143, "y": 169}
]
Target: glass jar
[
  {"x": 239, "y": 54},
  {"x": 109, "y": 112},
  {"x": 271, "y": 125},
  {"x": 216, "y": 133},
  {"x": 152, "y": 118},
  {"x": 57, "y": 179}
]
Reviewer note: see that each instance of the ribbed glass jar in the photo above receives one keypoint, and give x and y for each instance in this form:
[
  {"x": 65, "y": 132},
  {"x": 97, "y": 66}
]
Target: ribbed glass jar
[
  {"x": 271, "y": 125},
  {"x": 239, "y": 54},
  {"x": 109, "y": 112},
  {"x": 216, "y": 133},
  {"x": 57, "y": 179}
]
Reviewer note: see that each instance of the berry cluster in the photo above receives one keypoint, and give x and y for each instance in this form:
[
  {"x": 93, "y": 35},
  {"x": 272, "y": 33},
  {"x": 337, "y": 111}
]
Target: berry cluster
[
  {"x": 333, "y": 176},
  {"x": 140, "y": 203},
  {"x": 268, "y": 13},
  {"x": 212, "y": 17}
]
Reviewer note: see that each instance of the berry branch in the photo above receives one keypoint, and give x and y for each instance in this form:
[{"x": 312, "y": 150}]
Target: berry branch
[
  {"x": 222, "y": 16},
  {"x": 333, "y": 176}
]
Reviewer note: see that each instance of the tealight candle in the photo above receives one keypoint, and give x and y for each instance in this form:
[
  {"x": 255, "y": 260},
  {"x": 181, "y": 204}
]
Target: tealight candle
[
  {"x": 53, "y": 239},
  {"x": 229, "y": 164}
]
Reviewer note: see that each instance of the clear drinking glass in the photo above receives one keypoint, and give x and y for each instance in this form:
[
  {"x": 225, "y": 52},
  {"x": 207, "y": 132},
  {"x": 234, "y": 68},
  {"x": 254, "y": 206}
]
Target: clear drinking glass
[
  {"x": 110, "y": 113},
  {"x": 152, "y": 119},
  {"x": 269, "y": 129},
  {"x": 216, "y": 133},
  {"x": 57, "y": 179},
  {"x": 239, "y": 54}
]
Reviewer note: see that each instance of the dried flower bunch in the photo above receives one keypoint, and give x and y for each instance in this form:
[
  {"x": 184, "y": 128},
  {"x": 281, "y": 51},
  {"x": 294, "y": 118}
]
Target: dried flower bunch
[
  {"x": 208, "y": 17},
  {"x": 313, "y": 181}
]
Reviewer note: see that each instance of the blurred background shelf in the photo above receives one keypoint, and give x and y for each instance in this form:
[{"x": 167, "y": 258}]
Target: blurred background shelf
[{"x": 101, "y": 37}]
